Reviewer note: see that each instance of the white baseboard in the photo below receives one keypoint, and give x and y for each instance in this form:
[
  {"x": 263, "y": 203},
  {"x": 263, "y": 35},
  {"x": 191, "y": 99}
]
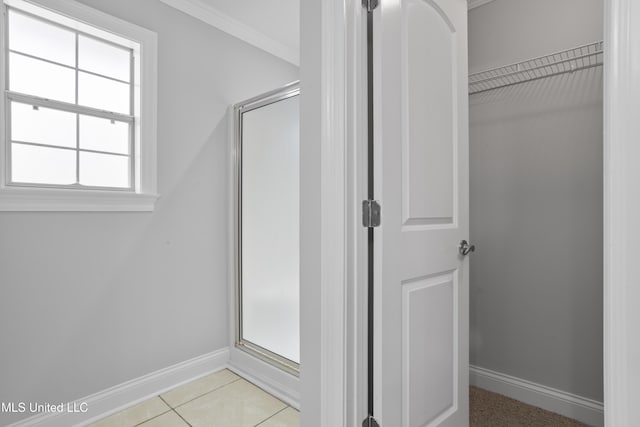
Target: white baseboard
[
  {"x": 277, "y": 382},
  {"x": 121, "y": 396},
  {"x": 587, "y": 411}
]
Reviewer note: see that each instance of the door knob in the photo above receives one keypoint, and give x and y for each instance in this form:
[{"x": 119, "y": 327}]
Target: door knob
[{"x": 465, "y": 249}]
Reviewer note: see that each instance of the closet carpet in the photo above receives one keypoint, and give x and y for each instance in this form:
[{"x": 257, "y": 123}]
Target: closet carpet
[{"x": 487, "y": 409}]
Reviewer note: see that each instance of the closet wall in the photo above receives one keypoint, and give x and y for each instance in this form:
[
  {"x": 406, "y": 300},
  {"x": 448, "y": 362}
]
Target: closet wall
[
  {"x": 92, "y": 299},
  {"x": 536, "y": 200}
]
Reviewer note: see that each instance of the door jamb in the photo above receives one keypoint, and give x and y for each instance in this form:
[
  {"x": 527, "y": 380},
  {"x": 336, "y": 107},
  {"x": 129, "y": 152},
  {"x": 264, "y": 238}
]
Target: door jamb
[{"x": 331, "y": 240}]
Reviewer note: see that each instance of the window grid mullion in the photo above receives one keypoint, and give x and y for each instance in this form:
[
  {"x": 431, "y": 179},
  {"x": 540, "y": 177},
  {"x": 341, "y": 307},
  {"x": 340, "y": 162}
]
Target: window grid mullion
[
  {"x": 65, "y": 106},
  {"x": 60, "y": 64},
  {"x": 61, "y": 147}
]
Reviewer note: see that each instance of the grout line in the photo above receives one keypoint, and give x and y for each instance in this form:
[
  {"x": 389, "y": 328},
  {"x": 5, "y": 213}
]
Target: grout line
[
  {"x": 268, "y": 418},
  {"x": 204, "y": 394},
  {"x": 165, "y": 402},
  {"x": 149, "y": 419},
  {"x": 265, "y": 391},
  {"x": 183, "y": 419}
]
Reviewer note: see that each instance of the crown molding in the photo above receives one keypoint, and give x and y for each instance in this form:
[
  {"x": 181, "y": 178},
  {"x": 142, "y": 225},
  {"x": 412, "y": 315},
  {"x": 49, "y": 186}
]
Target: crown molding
[
  {"x": 477, "y": 3},
  {"x": 212, "y": 16}
]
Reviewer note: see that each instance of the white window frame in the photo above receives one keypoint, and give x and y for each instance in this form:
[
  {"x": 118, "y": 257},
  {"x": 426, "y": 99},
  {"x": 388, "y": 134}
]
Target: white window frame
[{"x": 143, "y": 195}]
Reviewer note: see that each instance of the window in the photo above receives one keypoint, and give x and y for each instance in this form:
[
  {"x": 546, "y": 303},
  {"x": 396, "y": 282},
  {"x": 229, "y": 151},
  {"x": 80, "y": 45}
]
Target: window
[{"x": 79, "y": 109}]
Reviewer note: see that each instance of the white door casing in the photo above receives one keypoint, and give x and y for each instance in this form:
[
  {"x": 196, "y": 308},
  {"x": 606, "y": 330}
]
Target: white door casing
[{"x": 421, "y": 179}]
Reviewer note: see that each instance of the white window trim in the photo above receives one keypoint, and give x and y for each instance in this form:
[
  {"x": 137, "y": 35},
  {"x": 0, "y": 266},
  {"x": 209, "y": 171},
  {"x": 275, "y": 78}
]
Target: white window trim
[{"x": 60, "y": 199}]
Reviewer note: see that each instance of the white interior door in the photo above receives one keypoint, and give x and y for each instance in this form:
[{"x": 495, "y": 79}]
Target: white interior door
[{"x": 421, "y": 179}]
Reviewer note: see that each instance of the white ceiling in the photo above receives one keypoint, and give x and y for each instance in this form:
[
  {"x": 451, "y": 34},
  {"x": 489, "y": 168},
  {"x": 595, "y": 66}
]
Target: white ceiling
[
  {"x": 277, "y": 19},
  {"x": 271, "y": 25}
]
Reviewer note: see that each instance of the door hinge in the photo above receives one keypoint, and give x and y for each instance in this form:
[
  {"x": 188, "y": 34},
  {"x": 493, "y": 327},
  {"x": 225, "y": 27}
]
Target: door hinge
[
  {"x": 370, "y": 4},
  {"x": 370, "y": 422},
  {"x": 370, "y": 213}
]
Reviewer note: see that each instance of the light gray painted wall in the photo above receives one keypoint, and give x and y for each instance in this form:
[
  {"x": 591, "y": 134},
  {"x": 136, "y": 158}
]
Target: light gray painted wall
[
  {"x": 536, "y": 200},
  {"x": 90, "y": 300},
  {"x": 507, "y": 31}
]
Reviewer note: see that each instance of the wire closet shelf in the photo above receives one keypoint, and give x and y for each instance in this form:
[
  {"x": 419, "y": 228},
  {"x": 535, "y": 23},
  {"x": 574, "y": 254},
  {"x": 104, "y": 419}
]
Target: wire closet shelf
[{"x": 566, "y": 61}]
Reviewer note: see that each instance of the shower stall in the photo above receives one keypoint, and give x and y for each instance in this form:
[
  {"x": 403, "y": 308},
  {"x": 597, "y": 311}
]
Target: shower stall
[{"x": 266, "y": 211}]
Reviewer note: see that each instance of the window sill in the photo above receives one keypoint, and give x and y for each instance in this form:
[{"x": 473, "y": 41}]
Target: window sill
[{"x": 60, "y": 200}]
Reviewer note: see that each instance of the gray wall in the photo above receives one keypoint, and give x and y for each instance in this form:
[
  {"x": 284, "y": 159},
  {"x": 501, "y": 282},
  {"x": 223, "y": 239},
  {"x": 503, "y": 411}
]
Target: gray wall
[
  {"x": 90, "y": 300},
  {"x": 536, "y": 200}
]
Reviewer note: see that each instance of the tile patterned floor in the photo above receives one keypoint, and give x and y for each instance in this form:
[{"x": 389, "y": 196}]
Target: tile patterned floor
[{"x": 222, "y": 399}]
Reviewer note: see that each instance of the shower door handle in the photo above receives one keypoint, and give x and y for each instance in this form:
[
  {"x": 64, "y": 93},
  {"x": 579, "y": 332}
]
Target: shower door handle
[{"x": 465, "y": 249}]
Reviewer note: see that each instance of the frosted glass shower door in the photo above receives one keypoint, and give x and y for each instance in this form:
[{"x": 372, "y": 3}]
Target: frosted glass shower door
[{"x": 268, "y": 285}]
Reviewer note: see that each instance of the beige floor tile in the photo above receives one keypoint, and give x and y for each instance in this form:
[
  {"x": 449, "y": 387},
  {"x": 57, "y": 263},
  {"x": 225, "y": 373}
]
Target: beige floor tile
[
  {"x": 196, "y": 388},
  {"x": 134, "y": 415},
  {"x": 287, "y": 418},
  {"x": 170, "y": 419},
  {"x": 239, "y": 404}
]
